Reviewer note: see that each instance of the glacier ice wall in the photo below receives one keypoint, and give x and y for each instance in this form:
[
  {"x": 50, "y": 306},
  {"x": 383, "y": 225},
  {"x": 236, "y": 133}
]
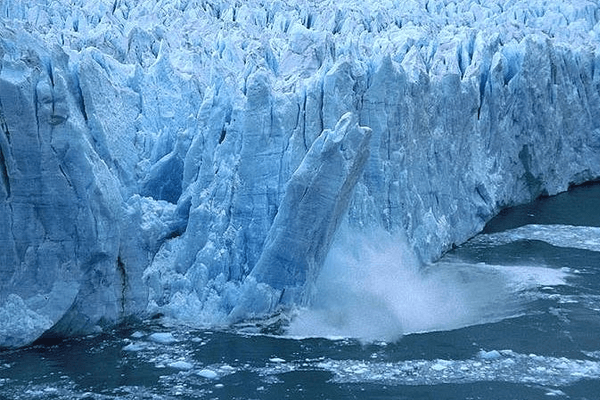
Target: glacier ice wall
[{"x": 150, "y": 150}]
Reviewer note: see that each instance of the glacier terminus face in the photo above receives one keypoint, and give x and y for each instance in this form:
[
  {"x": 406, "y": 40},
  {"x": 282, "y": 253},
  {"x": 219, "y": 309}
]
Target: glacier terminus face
[{"x": 195, "y": 159}]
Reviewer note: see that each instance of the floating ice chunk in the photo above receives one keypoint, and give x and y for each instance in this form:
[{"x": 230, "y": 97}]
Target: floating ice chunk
[
  {"x": 135, "y": 347},
  {"x": 207, "y": 373},
  {"x": 440, "y": 365},
  {"x": 489, "y": 355},
  {"x": 163, "y": 337},
  {"x": 227, "y": 368},
  {"x": 183, "y": 365}
]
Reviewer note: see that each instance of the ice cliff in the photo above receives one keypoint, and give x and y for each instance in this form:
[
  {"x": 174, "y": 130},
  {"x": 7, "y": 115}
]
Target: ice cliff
[{"x": 194, "y": 159}]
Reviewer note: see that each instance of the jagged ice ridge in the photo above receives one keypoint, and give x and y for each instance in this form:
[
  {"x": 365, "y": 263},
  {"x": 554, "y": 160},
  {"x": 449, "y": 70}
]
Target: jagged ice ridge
[{"x": 154, "y": 154}]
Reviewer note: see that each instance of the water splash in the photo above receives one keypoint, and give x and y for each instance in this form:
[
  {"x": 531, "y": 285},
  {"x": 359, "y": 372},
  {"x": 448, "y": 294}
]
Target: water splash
[{"x": 372, "y": 287}]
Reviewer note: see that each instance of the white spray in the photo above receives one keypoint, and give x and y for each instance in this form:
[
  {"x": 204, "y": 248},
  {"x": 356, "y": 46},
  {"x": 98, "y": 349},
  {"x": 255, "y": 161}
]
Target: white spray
[{"x": 372, "y": 287}]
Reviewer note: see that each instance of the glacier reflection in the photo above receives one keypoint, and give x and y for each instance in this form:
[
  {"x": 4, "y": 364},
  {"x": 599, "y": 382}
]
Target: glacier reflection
[{"x": 372, "y": 287}]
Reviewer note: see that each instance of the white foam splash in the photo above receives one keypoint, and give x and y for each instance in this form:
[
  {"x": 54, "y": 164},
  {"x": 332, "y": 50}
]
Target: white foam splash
[{"x": 373, "y": 288}]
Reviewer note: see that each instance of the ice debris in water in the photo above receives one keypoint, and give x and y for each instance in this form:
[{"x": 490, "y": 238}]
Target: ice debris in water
[
  {"x": 494, "y": 365},
  {"x": 576, "y": 237},
  {"x": 555, "y": 392},
  {"x": 135, "y": 346},
  {"x": 163, "y": 337},
  {"x": 207, "y": 373},
  {"x": 489, "y": 355},
  {"x": 183, "y": 365}
]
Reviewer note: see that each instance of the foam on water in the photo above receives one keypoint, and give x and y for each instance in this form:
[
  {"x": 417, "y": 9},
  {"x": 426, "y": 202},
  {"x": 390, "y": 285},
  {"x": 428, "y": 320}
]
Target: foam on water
[
  {"x": 372, "y": 287},
  {"x": 576, "y": 237},
  {"x": 528, "y": 277}
]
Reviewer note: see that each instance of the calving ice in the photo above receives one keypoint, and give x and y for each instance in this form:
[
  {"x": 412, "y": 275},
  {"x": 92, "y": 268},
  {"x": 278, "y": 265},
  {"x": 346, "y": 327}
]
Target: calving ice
[{"x": 196, "y": 160}]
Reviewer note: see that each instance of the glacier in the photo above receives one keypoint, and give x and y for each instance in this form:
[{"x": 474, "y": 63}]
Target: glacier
[{"x": 195, "y": 159}]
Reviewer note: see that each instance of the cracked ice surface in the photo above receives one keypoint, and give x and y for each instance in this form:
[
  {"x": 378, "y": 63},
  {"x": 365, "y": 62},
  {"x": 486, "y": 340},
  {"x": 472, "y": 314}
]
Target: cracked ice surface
[{"x": 146, "y": 146}]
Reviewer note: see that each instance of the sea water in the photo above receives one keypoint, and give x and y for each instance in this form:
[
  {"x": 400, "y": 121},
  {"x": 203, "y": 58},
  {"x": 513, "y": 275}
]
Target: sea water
[{"x": 512, "y": 314}]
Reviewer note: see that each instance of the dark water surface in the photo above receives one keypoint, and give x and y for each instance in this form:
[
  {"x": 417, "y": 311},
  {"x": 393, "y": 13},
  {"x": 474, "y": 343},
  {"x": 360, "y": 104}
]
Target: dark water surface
[{"x": 546, "y": 253}]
